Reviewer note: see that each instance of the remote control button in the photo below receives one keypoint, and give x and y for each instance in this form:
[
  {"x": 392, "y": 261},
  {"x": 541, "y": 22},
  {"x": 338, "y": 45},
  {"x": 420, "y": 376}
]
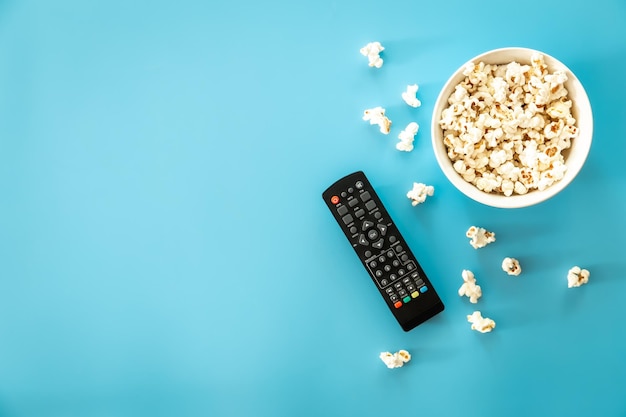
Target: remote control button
[
  {"x": 389, "y": 254},
  {"x": 382, "y": 228},
  {"x": 370, "y": 205},
  {"x": 372, "y": 235},
  {"x": 365, "y": 195},
  {"x": 402, "y": 293},
  {"x": 359, "y": 213},
  {"x": 393, "y": 277},
  {"x": 392, "y": 239},
  {"x": 393, "y": 298},
  {"x": 419, "y": 282},
  {"x": 384, "y": 282},
  {"x": 334, "y": 199},
  {"x": 344, "y": 194},
  {"x": 353, "y": 229},
  {"x": 359, "y": 184},
  {"x": 377, "y": 215},
  {"x": 406, "y": 280},
  {"x": 389, "y": 290},
  {"x": 406, "y": 299},
  {"x": 414, "y": 294},
  {"x": 396, "y": 263},
  {"x": 410, "y": 266},
  {"x": 410, "y": 288},
  {"x": 397, "y": 285},
  {"x": 342, "y": 210},
  {"x": 368, "y": 254},
  {"x": 366, "y": 225},
  {"x": 378, "y": 273},
  {"x": 373, "y": 264},
  {"x": 423, "y": 289},
  {"x": 387, "y": 268},
  {"x": 353, "y": 202},
  {"x": 363, "y": 241},
  {"x": 401, "y": 272},
  {"x": 404, "y": 257},
  {"x": 350, "y": 190},
  {"x": 378, "y": 244},
  {"x": 381, "y": 258},
  {"x": 398, "y": 248},
  {"x": 398, "y": 304},
  {"x": 347, "y": 219}
]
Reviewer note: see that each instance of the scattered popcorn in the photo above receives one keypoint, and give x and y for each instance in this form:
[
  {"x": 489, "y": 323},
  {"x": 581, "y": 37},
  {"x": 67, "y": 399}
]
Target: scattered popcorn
[
  {"x": 469, "y": 287},
  {"x": 480, "y": 237},
  {"x": 511, "y": 266},
  {"x": 407, "y": 136},
  {"x": 395, "y": 360},
  {"x": 409, "y": 96},
  {"x": 480, "y": 323},
  {"x": 419, "y": 193},
  {"x": 577, "y": 277},
  {"x": 376, "y": 116},
  {"x": 372, "y": 51},
  {"x": 506, "y": 126}
]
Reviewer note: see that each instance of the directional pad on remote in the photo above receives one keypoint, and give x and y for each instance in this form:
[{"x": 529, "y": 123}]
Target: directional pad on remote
[
  {"x": 378, "y": 244},
  {"x": 366, "y": 225}
]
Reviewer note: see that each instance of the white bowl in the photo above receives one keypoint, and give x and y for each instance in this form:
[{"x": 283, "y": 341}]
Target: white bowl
[{"x": 574, "y": 157}]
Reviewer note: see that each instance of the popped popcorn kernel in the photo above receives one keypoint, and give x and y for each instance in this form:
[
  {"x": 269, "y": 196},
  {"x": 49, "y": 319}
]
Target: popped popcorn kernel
[
  {"x": 577, "y": 276},
  {"x": 507, "y": 115},
  {"x": 469, "y": 287},
  {"x": 419, "y": 193},
  {"x": 409, "y": 96},
  {"x": 376, "y": 116},
  {"x": 395, "y": 360},
  {"x": 480, "y": 323},
  {"x": 480, "y": 237},
  {"x": 407, "y": 136},
  {"x": 372, "y": 51},
  {"x": 511, "y": 266}
]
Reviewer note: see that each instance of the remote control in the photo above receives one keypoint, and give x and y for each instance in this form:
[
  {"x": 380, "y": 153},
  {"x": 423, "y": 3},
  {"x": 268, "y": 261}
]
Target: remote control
[{"x": 383, "y": 251}]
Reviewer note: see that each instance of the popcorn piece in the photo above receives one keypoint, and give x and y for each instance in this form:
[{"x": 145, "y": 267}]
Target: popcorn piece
[
  {"x": 480, "y": 323},
  {"x": 376, "y": 116},
  {"x": 511, "y": 266},
  {"x": 469, "y": 287},
  {"x": 419, "y": 193},
  {"x": 480, "y": 237},
  {"x": 577, "y": 277},
  {"x": 372, "y": 51},
  {"x": 407, "y": 136},
  {"x": 509, "y": 115},
  {"x": 409, "y": 96},
  {"x": 395, "y": 360}
]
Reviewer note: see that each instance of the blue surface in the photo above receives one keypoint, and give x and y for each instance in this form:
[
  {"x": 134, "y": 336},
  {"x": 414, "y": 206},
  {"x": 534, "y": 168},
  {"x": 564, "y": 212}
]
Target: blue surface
[{"x": 165, "y": 251}]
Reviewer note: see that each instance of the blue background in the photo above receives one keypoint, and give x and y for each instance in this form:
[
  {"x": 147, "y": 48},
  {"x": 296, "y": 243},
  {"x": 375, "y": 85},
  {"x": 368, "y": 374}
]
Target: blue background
[{"x": 165, "y": 251}]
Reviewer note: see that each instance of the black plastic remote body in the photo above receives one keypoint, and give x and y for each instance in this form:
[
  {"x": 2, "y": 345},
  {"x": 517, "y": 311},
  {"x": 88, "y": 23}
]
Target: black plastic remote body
[{"x": 383, "y": 251}]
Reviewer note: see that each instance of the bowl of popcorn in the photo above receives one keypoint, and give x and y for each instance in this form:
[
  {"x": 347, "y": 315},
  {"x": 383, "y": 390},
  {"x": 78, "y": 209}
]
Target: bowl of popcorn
[{"x": 512, "y": 127}]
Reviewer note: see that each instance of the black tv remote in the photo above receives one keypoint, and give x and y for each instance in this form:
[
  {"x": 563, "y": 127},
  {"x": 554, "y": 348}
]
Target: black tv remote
[{"x": 383, "y": 251}]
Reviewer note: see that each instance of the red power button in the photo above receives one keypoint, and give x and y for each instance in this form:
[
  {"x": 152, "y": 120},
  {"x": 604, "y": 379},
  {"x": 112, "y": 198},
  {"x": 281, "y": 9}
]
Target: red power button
[{"x": 334, "y": 199}]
